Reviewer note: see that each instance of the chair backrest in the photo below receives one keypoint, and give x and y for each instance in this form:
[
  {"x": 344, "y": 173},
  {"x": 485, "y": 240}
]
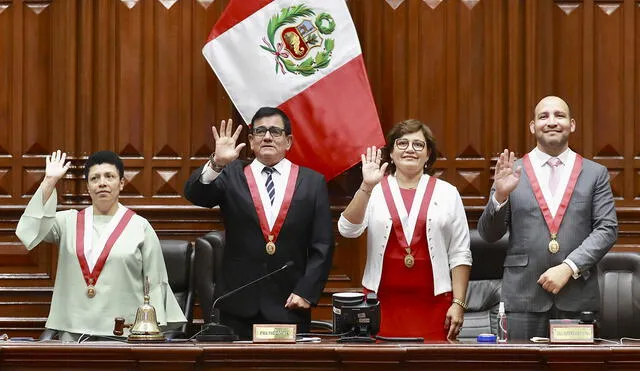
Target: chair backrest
[
  {"x": 209, "y": 250},
  {"x": 485, "y": 284},
  {"x": 619, "y": 280},
  {"x": 179, "y": 259}
]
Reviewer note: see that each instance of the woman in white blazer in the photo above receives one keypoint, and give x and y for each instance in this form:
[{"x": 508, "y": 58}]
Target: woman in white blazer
[{"x": 418, "y": 255}]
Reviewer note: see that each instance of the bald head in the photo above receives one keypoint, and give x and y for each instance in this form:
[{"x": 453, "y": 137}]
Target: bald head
[{"x": 551, "y": 101}]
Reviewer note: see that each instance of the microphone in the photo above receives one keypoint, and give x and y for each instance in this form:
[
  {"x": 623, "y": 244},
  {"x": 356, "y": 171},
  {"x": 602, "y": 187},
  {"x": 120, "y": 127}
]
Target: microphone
[{"x": 214, "y": 331}]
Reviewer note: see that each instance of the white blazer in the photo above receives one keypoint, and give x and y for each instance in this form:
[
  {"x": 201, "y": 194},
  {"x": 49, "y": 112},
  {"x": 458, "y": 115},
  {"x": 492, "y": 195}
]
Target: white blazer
[{"x": 447, "y": 234}]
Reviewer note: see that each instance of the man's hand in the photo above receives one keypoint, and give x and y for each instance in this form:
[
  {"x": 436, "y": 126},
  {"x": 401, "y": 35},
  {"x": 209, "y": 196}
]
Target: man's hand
[
  {"x": 506, "y": 178},
  {"x": 554, "y": 278},
  {"x": 56, "y": 167},
  {"x": 372, "y": 172},
  {"x": 453, "y": 321},
  {"x": 296, "y": 302},
  {"x": 226, "y": 149}
]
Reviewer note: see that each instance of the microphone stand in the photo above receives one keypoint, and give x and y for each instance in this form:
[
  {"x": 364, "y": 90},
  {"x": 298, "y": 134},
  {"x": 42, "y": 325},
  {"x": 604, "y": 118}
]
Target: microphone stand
[{"x": 214, "y": 331}]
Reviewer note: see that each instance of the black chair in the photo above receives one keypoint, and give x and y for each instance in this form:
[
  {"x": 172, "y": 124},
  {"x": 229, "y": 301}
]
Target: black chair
[
  {"x": 208, "y": 267},
  {"x": 485, "y": 284},
  {"x": 619, "y": 280},
  {"x": 179, "y": 258}
]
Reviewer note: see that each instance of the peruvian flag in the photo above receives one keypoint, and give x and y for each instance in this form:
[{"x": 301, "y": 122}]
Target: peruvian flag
[{"x": 303, "y": 57}]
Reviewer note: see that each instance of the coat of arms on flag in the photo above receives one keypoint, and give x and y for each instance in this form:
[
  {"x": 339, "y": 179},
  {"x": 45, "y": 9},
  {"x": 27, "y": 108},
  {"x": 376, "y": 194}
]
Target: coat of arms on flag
[
  {"x": 299, "y": 38},
  {"x": 304, "y": 57}
]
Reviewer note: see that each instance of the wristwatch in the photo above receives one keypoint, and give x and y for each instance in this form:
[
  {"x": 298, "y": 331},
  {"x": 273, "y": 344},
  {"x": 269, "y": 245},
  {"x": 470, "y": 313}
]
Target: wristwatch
[{"x": 215, "y": 167}]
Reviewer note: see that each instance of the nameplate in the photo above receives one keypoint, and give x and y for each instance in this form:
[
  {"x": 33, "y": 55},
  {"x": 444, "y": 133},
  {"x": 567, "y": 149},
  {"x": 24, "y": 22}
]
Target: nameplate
[
  {"x": 563, "y": 332},
  {"x": 274, "y": 333}
]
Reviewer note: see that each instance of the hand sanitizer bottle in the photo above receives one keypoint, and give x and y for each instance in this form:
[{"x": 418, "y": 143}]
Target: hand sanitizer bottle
[{"x": 502, "y": 324}]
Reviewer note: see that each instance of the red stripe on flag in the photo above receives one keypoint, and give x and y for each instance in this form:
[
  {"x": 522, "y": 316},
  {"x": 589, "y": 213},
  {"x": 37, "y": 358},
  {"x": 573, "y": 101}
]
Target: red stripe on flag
[
  {"x": 334, "y": 121},
  {"x": 236, "y": 12}
]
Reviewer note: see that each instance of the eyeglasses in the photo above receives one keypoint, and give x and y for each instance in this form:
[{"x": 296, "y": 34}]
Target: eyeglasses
[
  {"x": 261, "y": 131},
  {"x": 417, "y": 145}
]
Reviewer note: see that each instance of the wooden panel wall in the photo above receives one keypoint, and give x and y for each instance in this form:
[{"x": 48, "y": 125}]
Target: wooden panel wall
[{"x": 128, "y": 75}]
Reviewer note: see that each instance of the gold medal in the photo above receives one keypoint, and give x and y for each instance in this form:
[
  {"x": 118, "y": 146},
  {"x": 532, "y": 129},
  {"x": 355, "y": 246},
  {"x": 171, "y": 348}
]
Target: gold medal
[
  {"x": 554, "y": 246},
  {"x": 91, "y": 290},
  {"x": 409, "y": 260},
  {"x": 270, "y": 246}
]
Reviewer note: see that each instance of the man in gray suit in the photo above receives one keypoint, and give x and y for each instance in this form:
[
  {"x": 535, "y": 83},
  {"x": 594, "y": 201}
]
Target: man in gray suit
[{"x": 561, "y": 219}]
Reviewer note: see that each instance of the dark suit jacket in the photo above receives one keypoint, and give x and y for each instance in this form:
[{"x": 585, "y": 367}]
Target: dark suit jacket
[
  {"x": 588, "y": 230},
  {"x": 306, "y": 238}
]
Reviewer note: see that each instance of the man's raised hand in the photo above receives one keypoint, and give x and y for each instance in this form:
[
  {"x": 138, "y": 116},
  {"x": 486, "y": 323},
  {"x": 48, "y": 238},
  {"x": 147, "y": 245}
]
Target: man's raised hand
[
  {"x": 506, "y": 177},
  {"x": 226, "y": 149}
]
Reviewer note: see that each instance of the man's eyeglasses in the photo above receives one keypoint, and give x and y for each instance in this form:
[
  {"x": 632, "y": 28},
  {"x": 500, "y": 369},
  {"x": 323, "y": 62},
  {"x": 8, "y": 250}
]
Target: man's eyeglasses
[
  {"x": 261, "y": 131},
  {"x": 417, "y": 144}
]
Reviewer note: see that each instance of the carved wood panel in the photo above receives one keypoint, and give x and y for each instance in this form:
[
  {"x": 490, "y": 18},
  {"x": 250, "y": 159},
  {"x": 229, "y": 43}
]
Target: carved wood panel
[{"x": 128, "y": 75}]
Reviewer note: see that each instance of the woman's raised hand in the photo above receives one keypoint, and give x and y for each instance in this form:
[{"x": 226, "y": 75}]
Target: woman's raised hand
[
  {"x": 56, "y": 166},
  {"x": 372, "y": 172}
]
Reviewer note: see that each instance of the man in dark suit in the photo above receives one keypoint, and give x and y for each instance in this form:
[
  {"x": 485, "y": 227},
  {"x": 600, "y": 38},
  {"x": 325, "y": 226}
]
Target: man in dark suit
[
  {"x": 274, "y": 212},
  {"x": 561, "y": 218}
]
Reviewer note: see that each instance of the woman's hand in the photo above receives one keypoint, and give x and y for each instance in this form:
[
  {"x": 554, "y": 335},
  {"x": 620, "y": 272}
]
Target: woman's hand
[
  {"x": 453, "y": 321},
  {"x": 55, "y": 166},
  {"x": 372, "y": 172}
]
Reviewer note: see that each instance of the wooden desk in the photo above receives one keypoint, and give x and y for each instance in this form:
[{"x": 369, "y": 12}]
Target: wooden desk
[{"x": 322, "y": 356}]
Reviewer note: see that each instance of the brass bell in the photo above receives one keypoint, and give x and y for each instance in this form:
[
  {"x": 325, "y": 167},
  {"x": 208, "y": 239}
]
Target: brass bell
[{"x": 145, "y": 326}]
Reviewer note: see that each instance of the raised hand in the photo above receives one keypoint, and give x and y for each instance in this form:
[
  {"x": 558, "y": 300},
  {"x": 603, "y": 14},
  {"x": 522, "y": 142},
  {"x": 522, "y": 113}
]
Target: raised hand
[
  {"x": 372, "y": 172},
  {"x": 226, "y": 149},
  {"x": 506, "y": 177},
  {"x": 56, "y": 166}
]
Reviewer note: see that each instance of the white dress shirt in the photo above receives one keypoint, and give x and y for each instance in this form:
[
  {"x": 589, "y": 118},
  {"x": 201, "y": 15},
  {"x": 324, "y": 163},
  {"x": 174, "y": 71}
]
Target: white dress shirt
[{"x": 543, "y": 173}]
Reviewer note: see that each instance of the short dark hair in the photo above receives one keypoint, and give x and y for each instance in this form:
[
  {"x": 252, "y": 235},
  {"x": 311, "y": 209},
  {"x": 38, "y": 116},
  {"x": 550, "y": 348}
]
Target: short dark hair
[
  {"x": 103, "y": 157},
  {"x": 407, "y": 127},
  {"x": 272, "y": 111}
]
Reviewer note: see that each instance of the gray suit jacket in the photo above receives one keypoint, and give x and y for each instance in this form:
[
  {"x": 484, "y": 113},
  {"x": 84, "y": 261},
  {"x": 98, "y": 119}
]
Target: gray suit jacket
[{"x": 588, "y": 230}]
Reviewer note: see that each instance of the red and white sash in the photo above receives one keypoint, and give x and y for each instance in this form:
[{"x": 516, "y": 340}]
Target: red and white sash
[
  {"x": 84, "y": 235},
  {"x": 404, "y": 224},
  {"x": 553, "y": 223},
  {"x": 271, "y": 234}
]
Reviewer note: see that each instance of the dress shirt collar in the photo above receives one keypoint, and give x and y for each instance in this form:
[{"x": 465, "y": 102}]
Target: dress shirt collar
[
  {"x": 281, "y": 167},
  {"x": 539, "y": 158}
]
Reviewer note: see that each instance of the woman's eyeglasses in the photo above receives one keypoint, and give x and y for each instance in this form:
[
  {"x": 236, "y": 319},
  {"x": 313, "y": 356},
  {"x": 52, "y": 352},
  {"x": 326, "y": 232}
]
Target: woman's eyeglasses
[
  {"x": 261, "y": 131},
  {"x": 417, "y": 144}
]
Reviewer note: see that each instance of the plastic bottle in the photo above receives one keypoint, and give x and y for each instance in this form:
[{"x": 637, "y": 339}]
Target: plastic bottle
[{"x": 502, "y": 324}]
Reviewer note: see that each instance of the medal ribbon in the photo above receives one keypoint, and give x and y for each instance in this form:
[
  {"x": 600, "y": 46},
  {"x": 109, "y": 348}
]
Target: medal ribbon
[
  {"x": 91, "y": 277},
  {"x": 284, "y": 209},
  {"x": 553, "y": 223},
  {"x": 421, "y": 220}
]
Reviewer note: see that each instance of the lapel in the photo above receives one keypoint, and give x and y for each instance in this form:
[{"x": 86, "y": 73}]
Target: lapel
[{"x": 246, "y": 194}]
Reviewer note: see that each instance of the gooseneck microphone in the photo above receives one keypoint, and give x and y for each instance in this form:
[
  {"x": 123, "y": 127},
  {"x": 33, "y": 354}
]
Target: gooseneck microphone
[{"x": 214, "y": 331}]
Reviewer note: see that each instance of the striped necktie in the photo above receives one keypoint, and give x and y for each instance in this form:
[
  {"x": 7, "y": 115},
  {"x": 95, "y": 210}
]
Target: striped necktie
[{"x": 271, "y": 189}]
